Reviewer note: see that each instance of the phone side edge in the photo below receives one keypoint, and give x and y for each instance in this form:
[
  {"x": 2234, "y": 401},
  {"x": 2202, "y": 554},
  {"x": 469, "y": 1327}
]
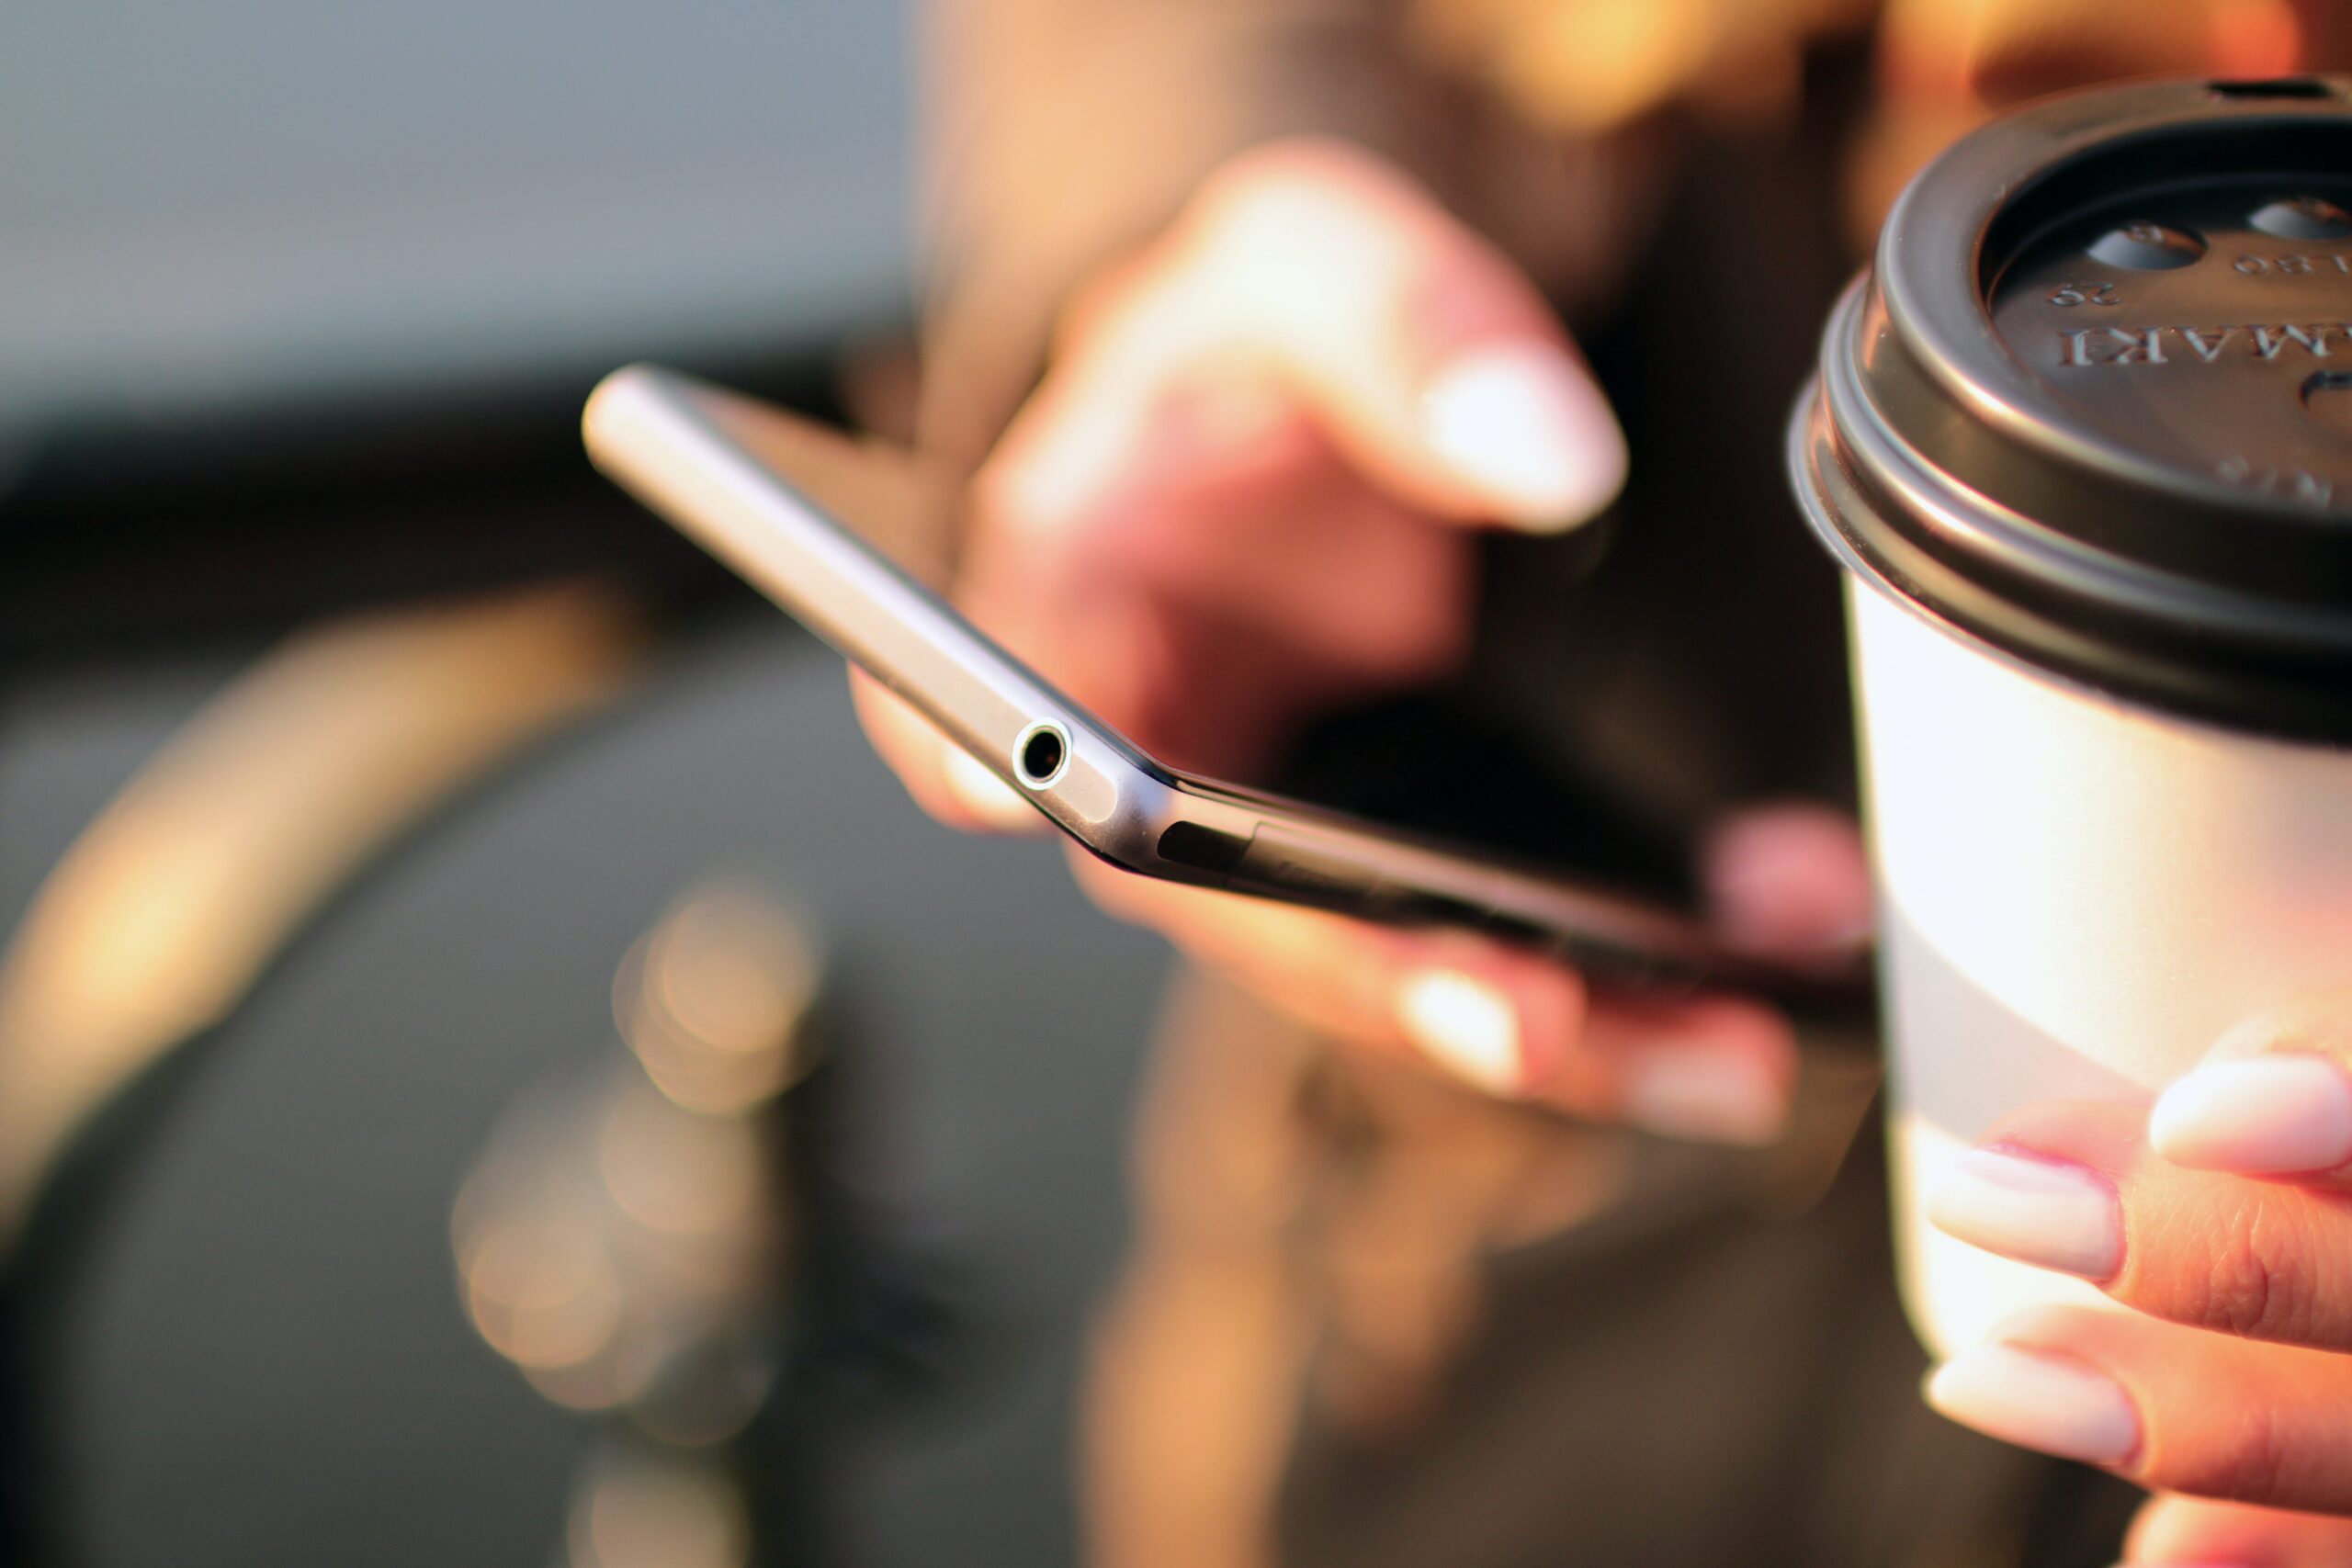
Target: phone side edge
[{"x": 649, "y": 430}]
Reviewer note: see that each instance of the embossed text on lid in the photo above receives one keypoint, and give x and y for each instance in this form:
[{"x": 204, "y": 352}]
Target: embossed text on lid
[
  {"x": 2093, "y": 402},
  {"x": 2200, "y": 363}
]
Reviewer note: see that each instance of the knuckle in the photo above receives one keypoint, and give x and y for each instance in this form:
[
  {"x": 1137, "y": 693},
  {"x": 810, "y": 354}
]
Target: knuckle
[
  {"x": 1241, "y": 205},
  {"x": 2254, "y": 1286},
  {"x": 1298, "y": 197},
  {"x": 1103, "y": 304},
  {"x": 1279, "y": 169}
]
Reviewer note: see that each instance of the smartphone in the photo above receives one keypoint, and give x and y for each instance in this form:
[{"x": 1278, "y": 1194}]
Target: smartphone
[{"x": 746, "y": 481}]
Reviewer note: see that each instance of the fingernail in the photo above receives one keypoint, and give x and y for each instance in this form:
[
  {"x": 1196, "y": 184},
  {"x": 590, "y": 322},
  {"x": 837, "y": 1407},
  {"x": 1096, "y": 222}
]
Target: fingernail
[
  {"x": 986, "y": 796},
  {"x": 1711, "y": 1095},
  {"x": 2046, "y": 1213},
  {"x": 2052, "y": 1403},
  {"x": 1464, "y": 1025},
  {"x": 1522, "y": 423},
  {"x": 2262, "y": 1115}
]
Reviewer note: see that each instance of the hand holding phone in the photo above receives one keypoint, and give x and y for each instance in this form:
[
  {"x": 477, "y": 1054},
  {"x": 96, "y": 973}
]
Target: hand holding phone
[
  {"x": 708, "y": 461},
  {"x": 1247, "y": 493}
]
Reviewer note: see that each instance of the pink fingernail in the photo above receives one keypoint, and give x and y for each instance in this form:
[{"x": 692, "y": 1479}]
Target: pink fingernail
[
  {"x": 2264, "y": 1115},
  {"x": 2050, "y": 1213},
  {"x": 1705, "y": 1094},
  {"x": 1466, "y": 1025},
  {"x": 1524, "y": 424},
  {"x": 2037, "y": 1400}
]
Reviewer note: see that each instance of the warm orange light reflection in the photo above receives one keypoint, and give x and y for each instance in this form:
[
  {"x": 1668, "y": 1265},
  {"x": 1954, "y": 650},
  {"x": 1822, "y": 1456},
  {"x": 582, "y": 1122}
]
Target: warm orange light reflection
[
  {"x": 678, "y": 1173},
  {"x": 713, "y": 1000},
  {"x": 642, "y": 1511},
  {"x": 620, "y": 1239},
  {"x": 544, "y": 1294}
]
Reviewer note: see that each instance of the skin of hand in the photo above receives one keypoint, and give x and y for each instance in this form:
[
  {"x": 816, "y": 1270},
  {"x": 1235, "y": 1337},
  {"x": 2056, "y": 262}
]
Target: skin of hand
[
  {"x": 1245, "y": 492},
  {"x": 2224, "y": 1217}
]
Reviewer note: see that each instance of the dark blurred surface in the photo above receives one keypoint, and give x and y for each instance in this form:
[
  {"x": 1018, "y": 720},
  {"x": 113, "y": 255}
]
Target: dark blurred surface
[{"x": 263, "y": 1356}]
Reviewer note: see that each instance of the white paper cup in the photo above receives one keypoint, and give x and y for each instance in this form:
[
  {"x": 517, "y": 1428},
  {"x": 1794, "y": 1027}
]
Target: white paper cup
[{"x": 2100, "y": 556}]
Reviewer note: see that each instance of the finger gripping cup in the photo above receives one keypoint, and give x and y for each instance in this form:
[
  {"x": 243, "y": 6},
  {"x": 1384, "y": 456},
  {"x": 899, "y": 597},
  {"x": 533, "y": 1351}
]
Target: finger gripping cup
[{"x": 2082, "y": 438}]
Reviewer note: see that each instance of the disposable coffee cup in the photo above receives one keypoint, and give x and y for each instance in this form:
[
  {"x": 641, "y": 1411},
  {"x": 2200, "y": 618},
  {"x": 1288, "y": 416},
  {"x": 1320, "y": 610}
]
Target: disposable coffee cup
[{"x": 2082, "y": 439}]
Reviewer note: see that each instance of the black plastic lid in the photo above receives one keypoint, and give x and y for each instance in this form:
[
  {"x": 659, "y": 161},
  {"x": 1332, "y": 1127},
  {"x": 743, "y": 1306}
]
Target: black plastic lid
[{"x": 2093, "y": 401}]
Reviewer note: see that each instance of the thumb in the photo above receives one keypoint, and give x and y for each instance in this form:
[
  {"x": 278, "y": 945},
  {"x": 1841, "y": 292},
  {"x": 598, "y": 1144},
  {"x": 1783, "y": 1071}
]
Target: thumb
[{"x": 1432, "y": 364}]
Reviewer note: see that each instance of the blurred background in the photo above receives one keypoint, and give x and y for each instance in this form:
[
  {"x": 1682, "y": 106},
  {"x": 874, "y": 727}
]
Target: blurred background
[
  {"x": 493, "y": 1070},
  {"x": 486, "y": 1076}
]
